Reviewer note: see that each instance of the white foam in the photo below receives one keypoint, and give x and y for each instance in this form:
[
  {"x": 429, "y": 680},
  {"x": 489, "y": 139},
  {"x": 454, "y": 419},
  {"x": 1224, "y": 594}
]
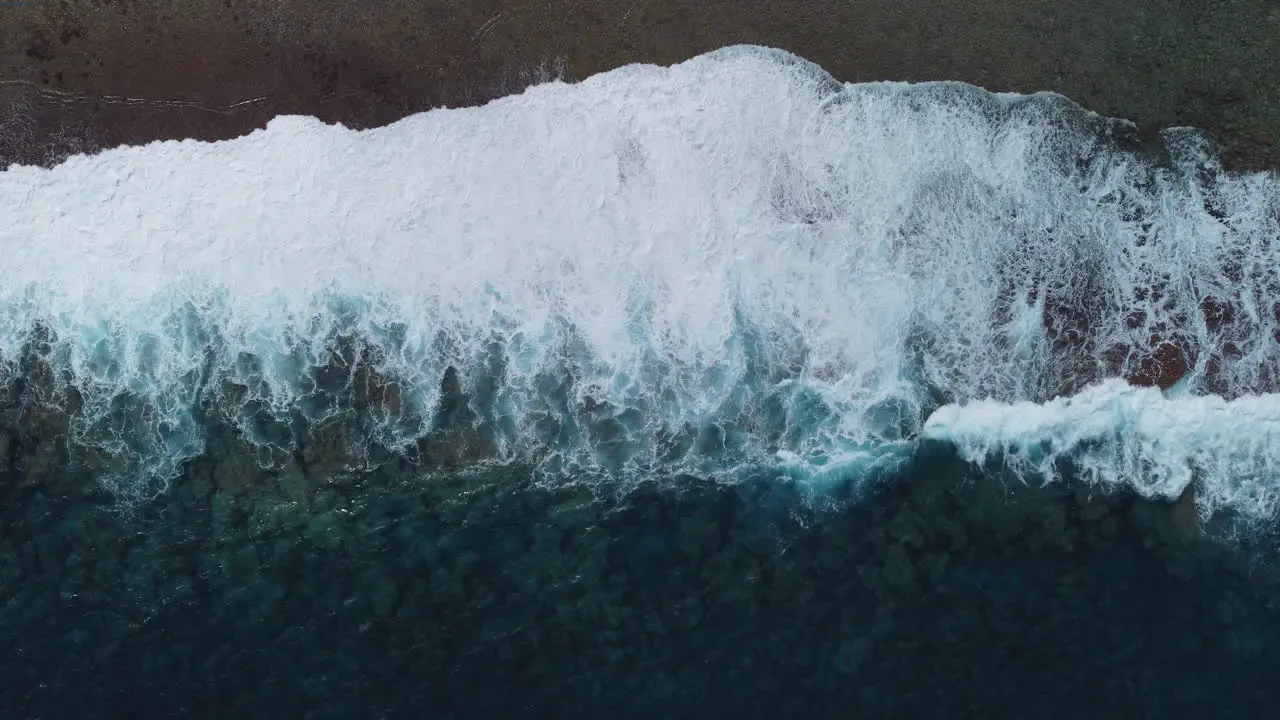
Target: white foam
[
  {"x": 1116, "y": 434},
  {"x": 736, "y": 244}
]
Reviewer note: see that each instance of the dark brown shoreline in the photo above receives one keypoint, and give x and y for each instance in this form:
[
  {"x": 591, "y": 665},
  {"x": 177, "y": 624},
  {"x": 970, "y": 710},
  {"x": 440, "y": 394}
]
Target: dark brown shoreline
[{"x": 80, "y": 75}]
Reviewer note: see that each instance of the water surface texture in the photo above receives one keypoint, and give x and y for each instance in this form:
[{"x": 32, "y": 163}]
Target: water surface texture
[{"x": 714, "y": 387}]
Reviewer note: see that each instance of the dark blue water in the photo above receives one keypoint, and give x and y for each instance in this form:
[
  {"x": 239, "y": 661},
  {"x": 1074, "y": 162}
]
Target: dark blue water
[{"x": 418, "y": 592}]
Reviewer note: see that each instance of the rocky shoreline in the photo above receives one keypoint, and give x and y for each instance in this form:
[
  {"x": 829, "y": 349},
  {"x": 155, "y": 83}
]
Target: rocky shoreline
[{"x": 78, "y": 75}]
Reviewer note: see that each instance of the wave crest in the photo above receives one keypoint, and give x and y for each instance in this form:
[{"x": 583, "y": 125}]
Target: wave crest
[{"x": 732, "y": 263}]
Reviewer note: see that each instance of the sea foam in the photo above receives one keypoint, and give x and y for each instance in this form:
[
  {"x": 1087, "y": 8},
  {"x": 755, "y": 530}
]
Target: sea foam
[
  {"x": 733, "y": 264},
  {"x": 1116, "y": 434}
]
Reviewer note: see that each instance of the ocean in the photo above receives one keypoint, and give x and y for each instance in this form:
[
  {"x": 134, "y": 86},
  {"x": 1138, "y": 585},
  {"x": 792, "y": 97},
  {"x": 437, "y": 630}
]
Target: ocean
[{"x": 722, "y": 387}]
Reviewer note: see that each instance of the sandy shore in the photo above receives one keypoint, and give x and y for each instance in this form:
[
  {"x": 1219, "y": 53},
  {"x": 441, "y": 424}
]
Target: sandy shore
[{"x": 84, "y": 74}]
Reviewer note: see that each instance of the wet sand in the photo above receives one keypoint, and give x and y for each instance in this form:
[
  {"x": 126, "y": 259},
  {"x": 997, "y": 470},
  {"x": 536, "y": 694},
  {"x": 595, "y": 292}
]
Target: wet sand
[{"x": 80, "y": 75}]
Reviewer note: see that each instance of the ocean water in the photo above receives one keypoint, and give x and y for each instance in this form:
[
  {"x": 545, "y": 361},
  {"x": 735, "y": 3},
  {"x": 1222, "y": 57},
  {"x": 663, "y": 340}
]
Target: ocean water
[{"x": 716, "y": 387}]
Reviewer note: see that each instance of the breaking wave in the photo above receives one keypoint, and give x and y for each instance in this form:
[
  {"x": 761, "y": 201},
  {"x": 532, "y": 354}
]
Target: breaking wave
[{"x": 732, "y": 265}]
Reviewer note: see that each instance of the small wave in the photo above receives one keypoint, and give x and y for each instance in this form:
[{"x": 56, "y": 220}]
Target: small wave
[{"x": 1119, "y": 435}]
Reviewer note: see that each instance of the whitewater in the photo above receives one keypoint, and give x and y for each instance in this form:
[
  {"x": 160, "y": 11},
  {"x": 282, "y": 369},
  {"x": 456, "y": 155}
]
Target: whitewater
[{"x": 732, "y": 266}]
